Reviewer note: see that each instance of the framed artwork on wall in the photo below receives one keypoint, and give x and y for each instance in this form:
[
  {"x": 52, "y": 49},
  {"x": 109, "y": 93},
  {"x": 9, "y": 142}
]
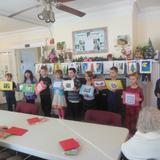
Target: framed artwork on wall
[{"x": 90, "y": 41}]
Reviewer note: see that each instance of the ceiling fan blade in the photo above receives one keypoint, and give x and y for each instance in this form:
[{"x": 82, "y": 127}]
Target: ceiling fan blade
[
  {"x": 63, "y": 1},
  {"x": 65, "y": 8},
  {"x": 24, "y": 10}
]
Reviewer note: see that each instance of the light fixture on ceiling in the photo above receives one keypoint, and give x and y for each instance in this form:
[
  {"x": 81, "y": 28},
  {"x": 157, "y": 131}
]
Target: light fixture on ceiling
[{"x": 47, "y": 14}]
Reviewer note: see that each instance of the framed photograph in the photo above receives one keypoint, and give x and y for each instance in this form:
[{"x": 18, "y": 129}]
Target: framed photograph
[
  {"x": 130, "y": 99},
  {"x": 114, "y": 84},
  {"x": 87, "y": 90},
  {"x": 90, "y": 41},
  {"x": 68, "y": 85},
  {"x": 145, "y": 66}
]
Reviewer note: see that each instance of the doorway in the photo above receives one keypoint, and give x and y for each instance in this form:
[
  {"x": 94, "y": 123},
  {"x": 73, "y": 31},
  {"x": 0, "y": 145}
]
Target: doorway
[{"x": 27, "y": 58}]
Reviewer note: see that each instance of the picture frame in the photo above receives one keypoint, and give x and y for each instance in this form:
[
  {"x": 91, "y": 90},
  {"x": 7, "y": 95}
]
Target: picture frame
[
  {"x": 132, "y": 67},
  {"x": 130, "y": 98},
  {"x": 86, "y": 90},
  {"x": 68, "y": 85},
  {"x": 86, "y": 66},
  {"x": 57, "y": 84},
  {"x": 6, "y": 86},
  {"x": 50, "y": 67},
  {"x": 90, "y": 41},
  {"x": 40, "y": 87},
  {"x": 99, "y": 84},
  {"x": 145, "y": 66},
  {"x": 98, "y": 67},
  {"x": 106, "y": 66},
  {"x": 121, "y": 66},
  {"x": 27, "y": 88},
  {"x": 114, "y": 84},
  {"x": 64, "y": 67}
]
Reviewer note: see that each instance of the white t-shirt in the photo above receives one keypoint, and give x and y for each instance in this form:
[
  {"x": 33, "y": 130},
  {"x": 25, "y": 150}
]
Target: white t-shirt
[{"x": 142, "y": 146}]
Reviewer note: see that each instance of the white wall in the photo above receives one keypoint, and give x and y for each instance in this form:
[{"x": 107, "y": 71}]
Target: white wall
[
  {"x": 116, "y": 17},
  {"x": 116, "y": 25},
  {"x": 149, "y": 26}
]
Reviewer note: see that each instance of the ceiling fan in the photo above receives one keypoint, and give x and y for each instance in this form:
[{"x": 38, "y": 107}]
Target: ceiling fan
[{"x": 47, "y": 14}]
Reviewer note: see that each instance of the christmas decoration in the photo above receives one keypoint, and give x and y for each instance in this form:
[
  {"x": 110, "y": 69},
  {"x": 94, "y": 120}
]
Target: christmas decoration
[
  {"x": 52, "y": 57},
  {"x": 61, "y": 45},
  {"x": 138, "y": 53},
  {"x": 87, "y": 60},
  {"x": 149, "y": 51},
  {"x": 110, "y": 57},
  {"x": 51, "y": 42}
]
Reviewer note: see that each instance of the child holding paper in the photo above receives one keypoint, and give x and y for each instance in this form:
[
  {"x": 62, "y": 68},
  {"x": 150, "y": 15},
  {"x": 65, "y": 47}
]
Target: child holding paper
[
  {"x": 59, "y": 101},
  {"x": 73, "y": 97},
  {"x": 10, "y": 95},
  {"x": 101, "y": 97},
  {"x": 88, "y": 98},
  {"x": 132, "y": 111},
  {"x": 29, "y": 79},
  {"x": 113, "y": 95},
  {"x": 45, "y": 95}
]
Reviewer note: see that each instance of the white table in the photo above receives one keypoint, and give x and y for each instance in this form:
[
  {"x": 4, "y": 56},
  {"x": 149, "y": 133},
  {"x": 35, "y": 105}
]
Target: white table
[{"x": 98, "y": 142}]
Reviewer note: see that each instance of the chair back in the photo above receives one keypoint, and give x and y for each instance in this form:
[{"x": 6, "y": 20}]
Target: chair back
[
  {"x": 24, "y": 107},
  {"x": 103, "y": 117}
]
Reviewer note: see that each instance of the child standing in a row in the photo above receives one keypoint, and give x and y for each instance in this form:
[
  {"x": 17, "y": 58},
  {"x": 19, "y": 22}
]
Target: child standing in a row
[
  {"x": 112, "y": 96},
  {"x": 10, "y": 95},
  {"x": 133, "y": 111},
  {"x": 89, "y": 101},
  {"x": 59, "y": 101},
  {"x": 45, "y": 95},
  {"x": 73, "y": 97}
]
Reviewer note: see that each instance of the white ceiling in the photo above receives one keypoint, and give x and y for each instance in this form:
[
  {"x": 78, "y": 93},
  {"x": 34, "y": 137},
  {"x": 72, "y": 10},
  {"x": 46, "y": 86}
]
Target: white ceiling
[{"x": 8, "y": 7}]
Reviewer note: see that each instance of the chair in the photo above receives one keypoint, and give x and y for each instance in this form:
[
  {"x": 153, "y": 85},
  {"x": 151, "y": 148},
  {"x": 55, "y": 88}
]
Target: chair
[
  {"x": 24, "y": 107},
  {"x": 103, "y": 117},
  {"x": 123, "y": 157}
]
